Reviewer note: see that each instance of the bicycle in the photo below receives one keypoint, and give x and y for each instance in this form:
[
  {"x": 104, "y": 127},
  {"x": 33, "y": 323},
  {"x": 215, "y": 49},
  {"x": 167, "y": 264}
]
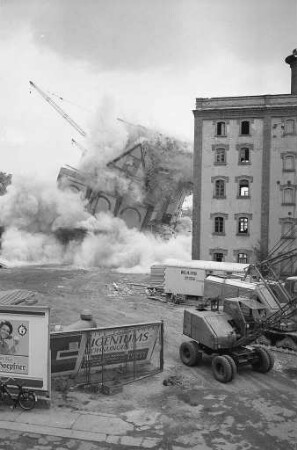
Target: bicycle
[{"x": 23, "y": 397}]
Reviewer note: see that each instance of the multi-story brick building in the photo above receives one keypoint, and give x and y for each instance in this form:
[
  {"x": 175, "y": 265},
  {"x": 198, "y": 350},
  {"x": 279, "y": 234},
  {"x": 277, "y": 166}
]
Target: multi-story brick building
[{"x": 245, "y": 183}]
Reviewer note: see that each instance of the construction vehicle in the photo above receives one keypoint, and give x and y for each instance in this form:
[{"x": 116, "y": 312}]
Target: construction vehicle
[
  {"x": 260, "y": 308},
  {"x": 226, "y": 334},
  {"x": 263, "y": 283}
]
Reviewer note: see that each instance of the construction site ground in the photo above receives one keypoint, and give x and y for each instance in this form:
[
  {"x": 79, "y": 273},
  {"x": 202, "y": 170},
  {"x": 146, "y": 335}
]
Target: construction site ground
[{"x": 180, "y": 408}]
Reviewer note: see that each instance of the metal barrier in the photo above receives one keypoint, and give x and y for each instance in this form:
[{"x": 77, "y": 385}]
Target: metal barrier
[{"x": 109, "y": 356}]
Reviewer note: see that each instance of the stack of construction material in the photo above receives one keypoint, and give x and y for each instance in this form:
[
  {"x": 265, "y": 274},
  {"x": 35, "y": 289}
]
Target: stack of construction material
[
  {"x": 157, "y": 276},
  {"x": 18, "y": 296}
]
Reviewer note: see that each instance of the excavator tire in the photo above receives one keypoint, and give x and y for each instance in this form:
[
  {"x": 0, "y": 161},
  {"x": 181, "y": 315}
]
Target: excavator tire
[
  {"x": 233, "y": 364},
  {"x": 190, "y": 353},
  {"x": 271, "y": 358},
  {"x": 222, "y": 369},
  {"x": 264, "y": 361}
]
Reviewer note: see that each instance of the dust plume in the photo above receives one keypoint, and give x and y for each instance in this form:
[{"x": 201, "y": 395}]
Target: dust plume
[
  {"x": 106, "y": 141},
  {"x": 32, "y": 212}
]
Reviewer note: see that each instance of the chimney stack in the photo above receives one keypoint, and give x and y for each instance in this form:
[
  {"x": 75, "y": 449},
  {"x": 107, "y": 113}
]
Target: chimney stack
[{"x": 292, "y": 60}]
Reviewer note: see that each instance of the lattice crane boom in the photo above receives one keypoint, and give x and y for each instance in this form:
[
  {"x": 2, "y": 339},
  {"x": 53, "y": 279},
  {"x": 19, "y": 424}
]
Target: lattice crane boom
[{"x": 62, "y": 113}]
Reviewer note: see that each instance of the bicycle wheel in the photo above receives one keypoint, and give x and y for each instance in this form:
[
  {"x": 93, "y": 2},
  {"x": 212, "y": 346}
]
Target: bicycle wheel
[
  {"x": 27, "y": 400},
  {"x": 7, "y": 399}
]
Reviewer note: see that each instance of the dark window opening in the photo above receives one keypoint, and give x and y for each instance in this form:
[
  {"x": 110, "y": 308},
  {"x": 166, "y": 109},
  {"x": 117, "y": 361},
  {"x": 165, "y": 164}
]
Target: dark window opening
[
  {"x": 245, "y": 127},
  {"x": 219, "y": 225},
  {"x": 244, "y": 156},
  {"x": 221, "y": 129},
  {"x": 218, "y": 257},
  {"x": 167, "y": 218}
]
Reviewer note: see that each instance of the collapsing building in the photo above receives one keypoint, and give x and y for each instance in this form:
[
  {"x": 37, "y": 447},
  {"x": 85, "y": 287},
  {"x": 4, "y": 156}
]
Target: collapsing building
[{"x": 158, "y": 172}]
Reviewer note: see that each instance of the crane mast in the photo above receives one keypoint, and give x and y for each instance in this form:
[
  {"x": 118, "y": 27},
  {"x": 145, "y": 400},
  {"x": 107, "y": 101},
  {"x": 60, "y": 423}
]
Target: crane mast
[{"x": 59, "y": 110}]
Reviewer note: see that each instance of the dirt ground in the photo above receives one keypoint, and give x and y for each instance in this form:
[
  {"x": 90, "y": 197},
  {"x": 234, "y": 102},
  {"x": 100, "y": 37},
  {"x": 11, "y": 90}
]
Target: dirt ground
[{"x": 254, "y": 411}]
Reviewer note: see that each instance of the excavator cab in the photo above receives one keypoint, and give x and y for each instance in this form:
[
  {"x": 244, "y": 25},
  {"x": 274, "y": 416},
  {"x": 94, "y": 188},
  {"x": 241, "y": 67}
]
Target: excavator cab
[{"x": 247, "y": 314}]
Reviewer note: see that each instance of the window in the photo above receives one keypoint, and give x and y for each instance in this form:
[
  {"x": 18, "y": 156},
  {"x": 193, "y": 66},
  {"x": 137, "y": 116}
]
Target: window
[
  {"x": 242, "y": 258},
  {"x": 221, "y": 129},
  {"x": 218, "y": 253},
  {"x": 289, "y": 126},
  {"x": 219, "y": 225},
  {"x": 245, "y": 127},
  {"x": 243, "y": 225},
  {"x": 219, "y": 189},
  {"x": 288, "y": 230},
  {"x": 220, "y": 156},
  {"x": 289, "y": 163},
  {"x": 218, "y": 256},
  {"x": 244, "y": 188},
  {"x": 244, "y": 155},
  {"x": 288, "y": 196}
]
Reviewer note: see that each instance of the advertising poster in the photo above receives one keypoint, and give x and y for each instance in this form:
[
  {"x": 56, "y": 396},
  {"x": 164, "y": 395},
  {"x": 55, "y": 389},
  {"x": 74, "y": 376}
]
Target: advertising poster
[
  {"x": 14, "y": 346},
  {"x": 72, "y": 350},
  {"x": 24, "y": 345},
  {"x": 117, "y": 346}
]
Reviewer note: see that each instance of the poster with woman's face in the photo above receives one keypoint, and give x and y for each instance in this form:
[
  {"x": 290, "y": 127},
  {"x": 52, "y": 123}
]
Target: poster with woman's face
[{"x": 14, "y": 346}]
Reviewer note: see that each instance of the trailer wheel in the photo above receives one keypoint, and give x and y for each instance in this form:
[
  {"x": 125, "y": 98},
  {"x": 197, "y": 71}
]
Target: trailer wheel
[
  {"x": 233, "y": 364},
  {"x": 222, "y": 369},
  {"x": 264, "y": 361},
  {"x": 190, "y": 353}
]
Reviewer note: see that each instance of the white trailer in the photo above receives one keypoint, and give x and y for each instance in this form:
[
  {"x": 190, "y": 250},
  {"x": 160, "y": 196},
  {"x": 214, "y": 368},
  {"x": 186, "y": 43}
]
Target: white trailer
[{"x": 187, "y": 278}]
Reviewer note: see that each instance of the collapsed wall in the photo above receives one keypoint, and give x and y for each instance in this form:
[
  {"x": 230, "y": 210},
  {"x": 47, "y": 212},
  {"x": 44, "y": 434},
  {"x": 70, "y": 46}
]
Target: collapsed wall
[{"x": 145, "y": 186}]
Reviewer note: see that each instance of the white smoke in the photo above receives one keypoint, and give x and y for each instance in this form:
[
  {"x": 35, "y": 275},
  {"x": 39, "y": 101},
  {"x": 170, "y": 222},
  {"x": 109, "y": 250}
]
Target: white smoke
[
  {"x": 32, "y": 211},
  {"x": 107, "y": 137},
  {"x": 34, "y": 206},
  {"x": 106, "y": 141},
  {"x": 114, "y": 245}
]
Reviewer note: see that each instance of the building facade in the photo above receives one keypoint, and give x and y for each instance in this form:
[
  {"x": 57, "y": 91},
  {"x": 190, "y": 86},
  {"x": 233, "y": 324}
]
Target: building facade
[{"x": 245, "y": 182}]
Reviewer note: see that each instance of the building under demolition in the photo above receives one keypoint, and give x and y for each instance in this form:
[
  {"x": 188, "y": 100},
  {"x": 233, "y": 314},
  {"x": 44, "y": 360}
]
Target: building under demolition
[{"x": 157, "y": 174}]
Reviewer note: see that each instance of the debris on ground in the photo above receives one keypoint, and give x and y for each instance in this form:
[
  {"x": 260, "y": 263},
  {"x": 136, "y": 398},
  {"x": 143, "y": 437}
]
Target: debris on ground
[{"x": 118, "y": 289}]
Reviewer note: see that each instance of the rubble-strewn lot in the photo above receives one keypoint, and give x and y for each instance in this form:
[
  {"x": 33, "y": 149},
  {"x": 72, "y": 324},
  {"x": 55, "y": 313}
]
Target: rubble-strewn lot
[{"x": 184, "y": 406}]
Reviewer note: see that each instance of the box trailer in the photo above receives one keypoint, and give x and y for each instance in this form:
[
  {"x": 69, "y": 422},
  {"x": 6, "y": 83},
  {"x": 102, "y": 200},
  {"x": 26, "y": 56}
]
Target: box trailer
[{"x": 187, "y": 278}]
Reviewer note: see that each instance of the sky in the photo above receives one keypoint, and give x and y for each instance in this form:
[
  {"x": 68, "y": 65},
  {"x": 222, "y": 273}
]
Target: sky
[{"x": 147, "y": 60}]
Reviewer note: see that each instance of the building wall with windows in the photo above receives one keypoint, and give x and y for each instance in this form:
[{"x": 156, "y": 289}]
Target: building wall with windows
[{"x": 245, "y": 183}]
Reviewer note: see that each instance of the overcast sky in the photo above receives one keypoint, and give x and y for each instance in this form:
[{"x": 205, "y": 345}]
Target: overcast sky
[{"x": 150, "y": 58}]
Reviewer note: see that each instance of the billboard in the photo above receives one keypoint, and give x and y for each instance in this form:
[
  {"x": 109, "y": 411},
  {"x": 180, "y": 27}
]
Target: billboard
[
  {"x": 24, "y": 345},
  {"x": 97, "y": 347}
]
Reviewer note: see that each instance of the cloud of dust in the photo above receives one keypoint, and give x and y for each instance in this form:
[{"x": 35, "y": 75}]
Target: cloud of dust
[
  {"x": 125, "y": 249},
  {"x": 33, "y": 211},
  {"x": 107, "y": 139},
  {"x": 34, "y": 206}
]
